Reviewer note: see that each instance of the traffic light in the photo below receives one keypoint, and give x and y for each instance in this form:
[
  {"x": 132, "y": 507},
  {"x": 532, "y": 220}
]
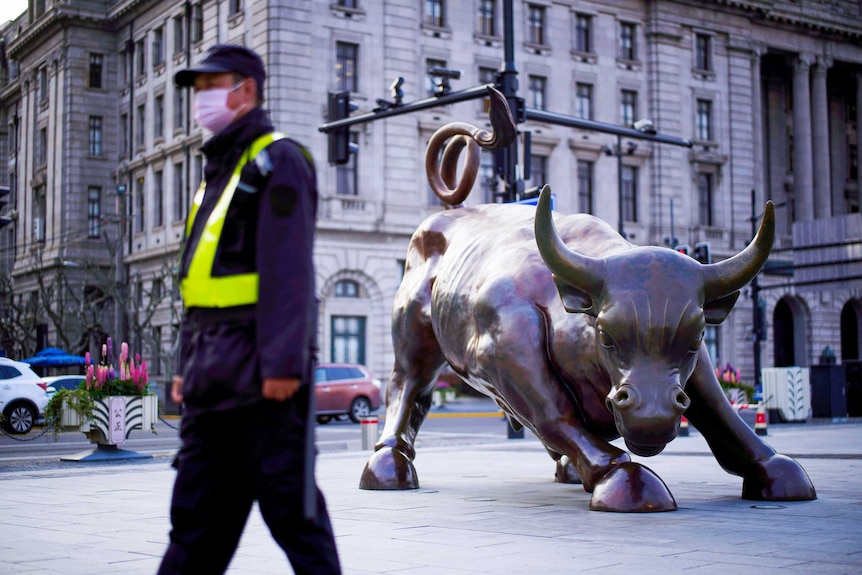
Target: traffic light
[
  {"x": 339, "y": 138},
  {"x": 4, "y": 192},
  {"x": 683, "y": 249},
  {"x": 701, "y": 252}
]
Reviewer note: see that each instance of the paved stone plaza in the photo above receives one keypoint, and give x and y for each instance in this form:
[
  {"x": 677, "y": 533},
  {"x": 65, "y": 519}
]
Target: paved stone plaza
[{"x": 488, "y": 508}]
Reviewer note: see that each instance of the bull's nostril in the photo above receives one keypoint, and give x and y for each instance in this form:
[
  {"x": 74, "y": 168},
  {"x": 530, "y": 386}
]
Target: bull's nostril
[
  {"x": 682, "y": 400},
  {"x": 621, "y": 399}
]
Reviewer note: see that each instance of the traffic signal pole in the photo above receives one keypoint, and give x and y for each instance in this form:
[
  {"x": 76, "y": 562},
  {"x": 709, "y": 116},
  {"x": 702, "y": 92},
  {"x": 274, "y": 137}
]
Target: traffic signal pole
[{"x": 506, "y": 81}]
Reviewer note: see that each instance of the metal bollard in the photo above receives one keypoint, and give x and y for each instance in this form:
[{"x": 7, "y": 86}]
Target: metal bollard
[{"x": 369, "y": 432}]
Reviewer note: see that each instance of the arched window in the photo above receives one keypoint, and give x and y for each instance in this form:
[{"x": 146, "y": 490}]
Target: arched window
[{"x": 346, "y": 288}]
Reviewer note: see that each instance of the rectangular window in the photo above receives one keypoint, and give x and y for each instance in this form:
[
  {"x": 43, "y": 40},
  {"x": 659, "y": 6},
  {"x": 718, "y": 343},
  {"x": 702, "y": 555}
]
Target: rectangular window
[
  {"x": 486, "y": 17},
  {"x": 235, "y": 7},
  {"x": 628, "y": 107},
  {"x": 704, "y": 120},
  {"x": 158, "y": 117},
  {"x": 346, "y": 175},
  {"x": 537, "y": 92},
  {"x": 158, "y": 47},
  {"x": 179, "y": 192},
  {"x": 95, "y": 148},
  {"x": 585, "y": 187},
  {"x": 42, "y": 145},
  {"x": 179, "y": 34},
  {"x": 179, "y": 108},
  {"x": 140, "y": 58},
  {"x": 583, "y": 33},
  {"x": 487, "y": 178},
  {"x": 199, "y": 171},
  {"x": 704, "y": 198},
  {"x": 96, "y": 61},
  {"x": 433, "y": 84},
  {"x": 158, "y": 199},
  {"x": 348, "y": 3},
  {"x": 434, "y": 13},
  {"x": 630, "y": 193},
  {"x": 628, "y": 44},
  {"x": 487, "y": 76},
  {"x": 141, "y": 124},
  {"x": 584, "y": 101},
  {"x": 538, "y": 171},
  {"x": 535, "y": 24},
  {"x": 140, "y": 205},
  {"x": 43, "y": 83},
  {"x": 852, "y": 163},
  {"x": 94, "y": 212},
  {"x": 346, "y": 56},
  {"x": 703, "y": 52},
  {"x": 197, "y": 23},
  {"x": 348, "y": 339},
  {"x": 124, "y": 135}
]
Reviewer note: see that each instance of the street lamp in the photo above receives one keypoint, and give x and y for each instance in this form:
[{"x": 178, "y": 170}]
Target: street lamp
[{"x": 119, "y": 300}]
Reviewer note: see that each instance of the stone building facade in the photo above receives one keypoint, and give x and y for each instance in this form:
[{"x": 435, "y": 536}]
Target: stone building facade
[{"x": 103, "y": 153}]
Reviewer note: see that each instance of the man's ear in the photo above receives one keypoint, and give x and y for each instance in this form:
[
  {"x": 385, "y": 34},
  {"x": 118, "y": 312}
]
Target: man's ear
[{"x": 249, "y": 91}]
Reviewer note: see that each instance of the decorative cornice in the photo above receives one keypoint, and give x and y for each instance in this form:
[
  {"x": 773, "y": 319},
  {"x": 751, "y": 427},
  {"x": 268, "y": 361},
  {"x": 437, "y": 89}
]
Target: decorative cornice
[{"x": 801, "y": 15}]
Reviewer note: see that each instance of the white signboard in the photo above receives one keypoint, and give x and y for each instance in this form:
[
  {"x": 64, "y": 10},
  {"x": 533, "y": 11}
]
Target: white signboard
[{"x": 118, "y": 420}]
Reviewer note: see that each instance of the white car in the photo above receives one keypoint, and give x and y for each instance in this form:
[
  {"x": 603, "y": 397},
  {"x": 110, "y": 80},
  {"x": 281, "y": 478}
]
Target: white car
[{"x": 23, "y": 396}]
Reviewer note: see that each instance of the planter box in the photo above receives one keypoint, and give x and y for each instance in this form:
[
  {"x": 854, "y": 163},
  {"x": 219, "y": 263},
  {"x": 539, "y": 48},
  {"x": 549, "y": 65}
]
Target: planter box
[{"x": 115, "y": 417}]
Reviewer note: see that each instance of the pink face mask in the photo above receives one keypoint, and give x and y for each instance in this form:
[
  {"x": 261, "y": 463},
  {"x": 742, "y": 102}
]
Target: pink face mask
[{"x": 212, "y": 111}]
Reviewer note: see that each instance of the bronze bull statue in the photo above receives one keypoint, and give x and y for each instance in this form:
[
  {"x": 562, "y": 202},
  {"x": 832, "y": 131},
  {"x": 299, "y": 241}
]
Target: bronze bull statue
[{"x": 576, "y": 334}]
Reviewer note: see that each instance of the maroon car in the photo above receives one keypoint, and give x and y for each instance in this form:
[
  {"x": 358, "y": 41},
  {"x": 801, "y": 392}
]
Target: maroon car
[{"x": 345, "y": 388}]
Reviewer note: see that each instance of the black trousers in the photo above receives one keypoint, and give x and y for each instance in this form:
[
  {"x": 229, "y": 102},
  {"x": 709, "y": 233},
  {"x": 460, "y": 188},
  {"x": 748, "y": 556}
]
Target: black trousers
[{"x": 228, "y": 460}]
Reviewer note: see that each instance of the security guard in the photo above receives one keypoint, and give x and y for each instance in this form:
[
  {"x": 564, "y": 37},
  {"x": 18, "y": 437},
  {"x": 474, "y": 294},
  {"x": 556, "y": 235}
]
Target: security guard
[{"x": 247, "y": 281}]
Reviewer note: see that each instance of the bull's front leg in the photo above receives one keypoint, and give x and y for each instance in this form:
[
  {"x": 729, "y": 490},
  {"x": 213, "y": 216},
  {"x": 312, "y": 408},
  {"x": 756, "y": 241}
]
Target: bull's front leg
[
  {"x": 767, "y": 475},
  {"x": 408, "y": 395},
  {"x": 506, "y": 355}
]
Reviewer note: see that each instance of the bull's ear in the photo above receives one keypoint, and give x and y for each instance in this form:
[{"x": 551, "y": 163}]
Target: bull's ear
[
  {"x": 715, "y": 311},
  {"x": 574, "y": 300}
]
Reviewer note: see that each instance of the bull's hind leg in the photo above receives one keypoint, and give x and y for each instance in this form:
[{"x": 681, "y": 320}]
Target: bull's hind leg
[
  {"x": 767, "y": 475},
  {"x": 408, "y": 400}
]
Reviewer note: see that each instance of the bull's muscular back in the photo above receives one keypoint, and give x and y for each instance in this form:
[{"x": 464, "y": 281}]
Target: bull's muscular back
[{"x": 479, "y": 264}]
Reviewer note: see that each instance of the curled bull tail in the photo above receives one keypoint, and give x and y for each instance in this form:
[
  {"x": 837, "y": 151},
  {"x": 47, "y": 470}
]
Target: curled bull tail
[{"x": 442, "y": 172}]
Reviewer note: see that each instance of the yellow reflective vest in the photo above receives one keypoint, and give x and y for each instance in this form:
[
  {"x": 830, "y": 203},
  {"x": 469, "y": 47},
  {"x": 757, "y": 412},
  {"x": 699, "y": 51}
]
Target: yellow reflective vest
[{"x": 199, "y": 288}]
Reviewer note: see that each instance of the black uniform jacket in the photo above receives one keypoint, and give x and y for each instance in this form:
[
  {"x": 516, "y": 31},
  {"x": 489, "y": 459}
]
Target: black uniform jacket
[{"x": 225, "y": 353}]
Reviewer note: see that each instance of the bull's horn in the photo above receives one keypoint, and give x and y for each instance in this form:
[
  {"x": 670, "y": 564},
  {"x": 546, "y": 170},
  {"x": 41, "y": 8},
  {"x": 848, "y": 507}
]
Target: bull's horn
[
  {"x": 730, "y": 275},
  {"x": 579, "y": 271}
]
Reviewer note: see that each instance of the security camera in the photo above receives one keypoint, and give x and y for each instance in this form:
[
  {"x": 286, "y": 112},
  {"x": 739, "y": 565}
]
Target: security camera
[{"x": 644, "y": 125}]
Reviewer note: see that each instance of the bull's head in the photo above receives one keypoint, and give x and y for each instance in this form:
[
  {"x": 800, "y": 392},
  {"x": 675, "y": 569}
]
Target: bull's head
[{"x": 651, "y": 306}]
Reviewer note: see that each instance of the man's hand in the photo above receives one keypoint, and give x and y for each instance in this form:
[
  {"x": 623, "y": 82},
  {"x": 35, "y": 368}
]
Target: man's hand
[
  {"x": 280, "y": 388},
  {"x": 177, "y": 389}
]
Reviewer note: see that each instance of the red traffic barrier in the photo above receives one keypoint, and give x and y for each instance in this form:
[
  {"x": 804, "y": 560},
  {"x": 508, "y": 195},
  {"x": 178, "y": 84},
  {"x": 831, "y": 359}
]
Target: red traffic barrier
[{"x": 760, "y": 420}]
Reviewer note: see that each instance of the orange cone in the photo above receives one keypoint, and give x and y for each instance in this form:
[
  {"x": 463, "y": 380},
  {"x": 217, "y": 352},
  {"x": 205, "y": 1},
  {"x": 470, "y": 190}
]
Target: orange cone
[
  {"x": 760, "y": 419},
  {"x": 683, "y": 427}
]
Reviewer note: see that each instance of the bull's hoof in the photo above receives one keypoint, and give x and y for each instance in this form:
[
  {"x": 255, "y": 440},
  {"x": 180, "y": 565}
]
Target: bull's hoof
[
  {"x": 389, "y": 469},
  {"x": 566, "y": 472},
  {"x": 632, "y": 488},
  {"x": 779, "y": 478}
]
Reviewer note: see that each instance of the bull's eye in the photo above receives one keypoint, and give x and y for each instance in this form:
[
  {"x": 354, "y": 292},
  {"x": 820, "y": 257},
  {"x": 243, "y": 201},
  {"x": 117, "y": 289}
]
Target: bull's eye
[
  {"x": 605, "y": 340},
  {"x": 696, "y": 343}
]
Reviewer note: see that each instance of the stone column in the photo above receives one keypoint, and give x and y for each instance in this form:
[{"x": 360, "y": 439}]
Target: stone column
[
  {"x": 822, "y": 169},
  {"x": 803, "y": 178},
  {"x": 858, "y": 137}
]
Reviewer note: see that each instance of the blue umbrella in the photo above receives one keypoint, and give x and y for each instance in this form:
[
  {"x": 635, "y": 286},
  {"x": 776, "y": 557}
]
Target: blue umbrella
[{"x": 53, "y": 357}]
